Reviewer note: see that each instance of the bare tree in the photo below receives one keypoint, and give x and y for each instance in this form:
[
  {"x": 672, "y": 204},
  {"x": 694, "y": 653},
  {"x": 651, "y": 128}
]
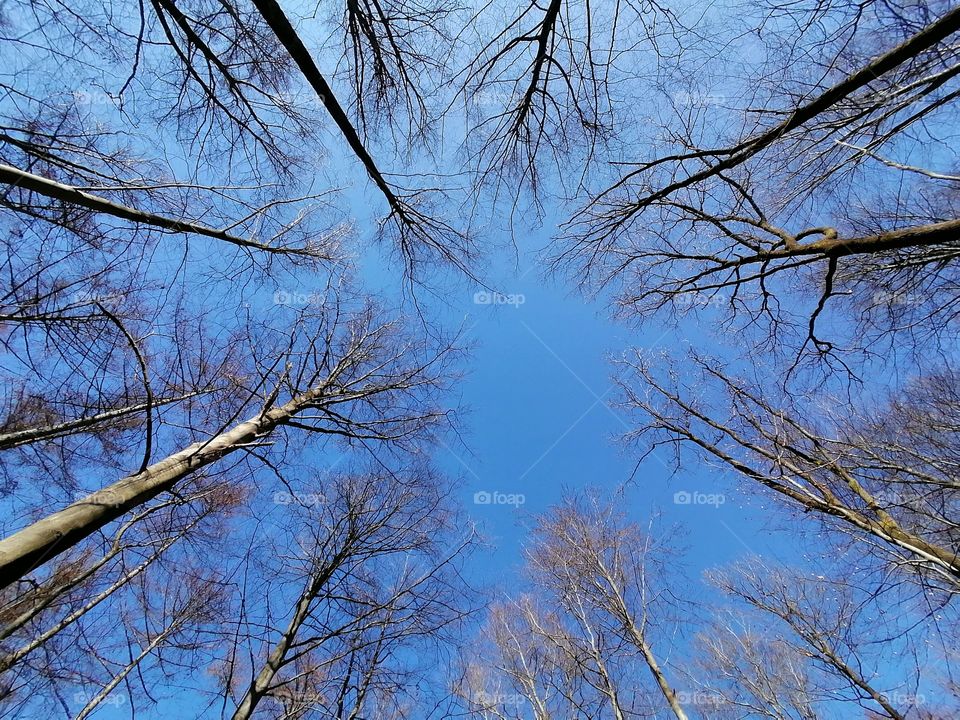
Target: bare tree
[
  {"x": 837, "y": 636},
  {"x": 106, "y": 337},
  {"x": 540, "y": 89},
  {"x": 378, "y": 581},
  {"x": 396, "y": 54},
  {"x": 97, "y": 376},
  {"x": 66, "y": 169},
  {"x": 101, "y": 624},
  {"x": 752, "y": 674},
  {"x": 339, "y": 379},
  {"x": 795, "y": 202},
  {"x": 585, "y": 647},
  {"x": 860, "y": 476},
  {"x": 24, "y": 181},
  {"x": 77, "y": 585},
  {"x": 415, "y": 229},
  {"x": 237, "y": 82},
  {"x": 154, "y": 187}
]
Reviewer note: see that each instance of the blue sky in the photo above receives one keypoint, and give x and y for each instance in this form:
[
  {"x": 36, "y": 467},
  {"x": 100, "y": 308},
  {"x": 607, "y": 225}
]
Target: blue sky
[
  {"x": 539, "y": 416},
  {"x": 539, "y": 408},
  {"x": 542, "y": 419}
]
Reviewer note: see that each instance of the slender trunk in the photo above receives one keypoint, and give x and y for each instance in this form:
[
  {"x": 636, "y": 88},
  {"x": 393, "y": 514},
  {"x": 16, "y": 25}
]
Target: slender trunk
[
  {"x": 924, "y": 40},
  {"x": 854, "y": 677},
  {"x": 651, "y": 660},
  {"x": 621, "y": 610},
  {"x": 38, "y": 543},
  {"x": 274, "y": 16},
  {"x": 65, "y": 193},
  {"x": 118, "y": 678},
  {"x": 264, "y": 679},
  {"x": 49, "y": 432}
]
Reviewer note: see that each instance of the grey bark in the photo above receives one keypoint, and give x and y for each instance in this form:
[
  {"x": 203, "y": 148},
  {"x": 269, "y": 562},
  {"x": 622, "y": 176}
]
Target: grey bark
[{"x": 38, "y": 543}]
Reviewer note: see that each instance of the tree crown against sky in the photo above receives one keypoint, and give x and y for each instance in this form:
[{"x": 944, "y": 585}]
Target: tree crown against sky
[{"x": 238, "y": 241}]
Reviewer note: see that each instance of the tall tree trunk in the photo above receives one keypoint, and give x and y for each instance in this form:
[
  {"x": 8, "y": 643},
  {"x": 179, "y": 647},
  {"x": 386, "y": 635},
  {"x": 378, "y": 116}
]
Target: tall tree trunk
[
  {"x": 282, "y": 27},
  {"x": 277, "y": 658},
  {"x": 38, "y": 543},
  {"x": 25, "y": 436},
  {"x": 65, "y": 193},
  {"x": 651, "y": 660}
]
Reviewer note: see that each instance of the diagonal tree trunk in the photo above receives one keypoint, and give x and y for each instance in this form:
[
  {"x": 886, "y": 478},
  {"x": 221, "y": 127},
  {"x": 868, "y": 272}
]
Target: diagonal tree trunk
[
  {"x": 927, "y": 38},
  {"x": 278, "y": 654},
  {"x": 25, "y": 436},
  {"x": 288, "y": 37},
  {"x": 38, "y": 543},
  {"x": 15, "y": 177}
]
